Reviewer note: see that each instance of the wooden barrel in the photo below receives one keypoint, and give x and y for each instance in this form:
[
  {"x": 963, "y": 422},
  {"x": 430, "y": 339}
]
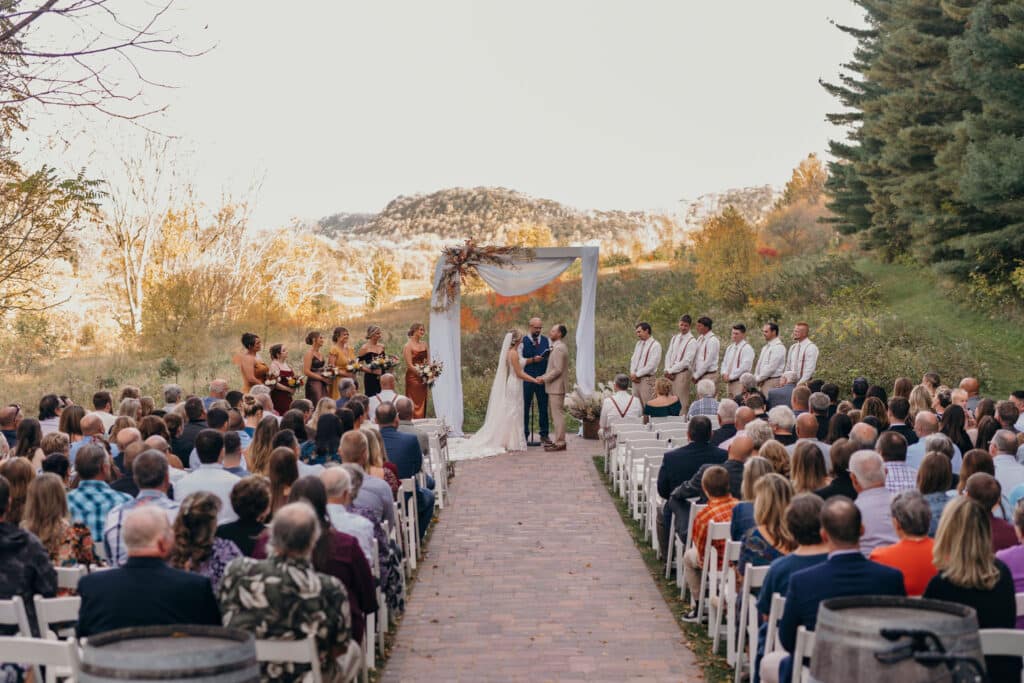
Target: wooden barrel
[
  {"x": 186, "y": 653},
  {"x": 848, "y": 637}
]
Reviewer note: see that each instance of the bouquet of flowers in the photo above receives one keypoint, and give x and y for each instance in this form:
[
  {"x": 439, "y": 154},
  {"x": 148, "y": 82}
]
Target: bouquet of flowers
[
  {"x": 353, "y": 366},
  {"x": 429, "y": 372},
  {"x": 329, "y": 372},
  {"x": 384, "y": 363},
  {"x": 294, "y": 382},
  {"x": 584, "y": 407}
]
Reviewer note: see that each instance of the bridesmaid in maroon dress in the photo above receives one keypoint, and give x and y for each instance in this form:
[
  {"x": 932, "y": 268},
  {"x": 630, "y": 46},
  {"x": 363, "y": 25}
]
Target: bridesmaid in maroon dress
[
  {"x": 281, "y": 394},
  {"x": 416, "y": 353},
  {"x": 312, "y": 363}
]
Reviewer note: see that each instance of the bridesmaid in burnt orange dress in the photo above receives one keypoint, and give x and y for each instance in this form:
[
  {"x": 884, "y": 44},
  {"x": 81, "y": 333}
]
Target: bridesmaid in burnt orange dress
[
  {"x": 416, "y": 353},
  {"x": 254, "y": 370}
]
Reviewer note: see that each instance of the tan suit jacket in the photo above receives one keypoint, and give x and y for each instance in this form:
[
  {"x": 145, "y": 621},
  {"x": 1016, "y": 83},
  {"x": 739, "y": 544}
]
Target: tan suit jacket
[{"x": 558, "y": 364}]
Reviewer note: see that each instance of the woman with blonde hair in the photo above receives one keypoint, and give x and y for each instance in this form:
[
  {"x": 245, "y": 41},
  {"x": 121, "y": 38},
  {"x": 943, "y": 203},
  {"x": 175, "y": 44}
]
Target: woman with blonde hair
[
  {"x": 775, "y": 453},
  {"x": 46, "y": 515},
  {"x": 131, "y": 407},
  {"x": 197, "y": 548},
  {"x": 416, "y": 352},
  {"x": 743, "y": 514},
  {"x": 920, "y": 400},
  {"x": 970, "y": 574},
  {"x": 369, "y": 352},
  {"x": 324, "y": 406},
  {"x": 770, "y": 539},
  {"x": 257, "y": 458},
  {"x": 808, "y": 468},
  {"x": 664, "y": 403},
  {"x": 378, "y": 463}
]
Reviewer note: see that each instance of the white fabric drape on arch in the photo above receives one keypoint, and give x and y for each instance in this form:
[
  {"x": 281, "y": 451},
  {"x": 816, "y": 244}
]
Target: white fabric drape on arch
[{"x": 516, "y": 279}]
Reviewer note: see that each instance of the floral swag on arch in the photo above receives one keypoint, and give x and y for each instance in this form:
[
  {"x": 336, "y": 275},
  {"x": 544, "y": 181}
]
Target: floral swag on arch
[{"x": 510, "y": 271}]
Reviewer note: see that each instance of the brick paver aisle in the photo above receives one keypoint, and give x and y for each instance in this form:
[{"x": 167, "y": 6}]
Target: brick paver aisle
[{"x": 530, "y": 575}]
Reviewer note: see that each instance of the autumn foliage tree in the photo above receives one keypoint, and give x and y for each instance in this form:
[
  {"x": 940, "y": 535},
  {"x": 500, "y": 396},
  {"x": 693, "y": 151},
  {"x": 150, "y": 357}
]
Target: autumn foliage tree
[{"x": 725, "y": 256}]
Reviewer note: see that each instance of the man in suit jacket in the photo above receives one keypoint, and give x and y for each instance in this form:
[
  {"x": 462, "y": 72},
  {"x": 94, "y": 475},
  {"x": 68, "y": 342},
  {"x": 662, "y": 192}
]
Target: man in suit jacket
[
  {"x": 533, "y": 348},
  {"x": 679, "y": 465},
  {"x": 846, "y": 573},
  {"x": 782, "y": 395},
  {"x": 404, "y": 450},
  {"x": 146, "y": 591},
  {"x": 554, "y": 384}
]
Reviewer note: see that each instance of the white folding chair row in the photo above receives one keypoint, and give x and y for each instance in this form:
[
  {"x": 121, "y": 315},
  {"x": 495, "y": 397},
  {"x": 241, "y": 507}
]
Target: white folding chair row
[
  {"x": 650, "y": 500},
  {"x": 439, "y": 462},
  {"x": 411, "y": 528},
  {"x": 637, "y": 464},
  {"x": 60, "y": 657},
  {"x": 671, "y": 434},
  {"x": 676, "y": 547},
  {"x": 627, "y": 463},
  {"x": 669, "y": 420},
  {"x": 722, "y": 602},
  {"x": 748, "y": 623},
  {"x": 709, "y": 575},
  {"x": 1020, "y": 604},
  {"x": 804, "y": 649},
  {"x": 771, "y": 641},
  {"x": 1002, "y": 642},
  {"x": 616, "y": 433},
  {"x": 618, "y": 450}
]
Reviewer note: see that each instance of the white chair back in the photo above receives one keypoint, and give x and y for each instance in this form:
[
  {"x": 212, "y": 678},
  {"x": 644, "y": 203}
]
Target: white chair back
[
  {"x": 67, "y": 577},
  {"x": 748, "y": 622},
  {"x": 298, "y": 651},
  {"x": 56, "y": 616},
  {"x": 54, "y": 655},
  {"x": 804, "y": 649},
  {"x": 717, "y": 531},
  {"x": 1020, "y": 604},
  {"x": 771, "y": 642},
  {"x": 12, "y": 613},
  {"x": 1002, "y": 642}
]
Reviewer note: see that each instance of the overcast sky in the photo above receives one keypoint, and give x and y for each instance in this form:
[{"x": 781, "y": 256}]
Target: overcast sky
[{"x": 341, "y": 106}]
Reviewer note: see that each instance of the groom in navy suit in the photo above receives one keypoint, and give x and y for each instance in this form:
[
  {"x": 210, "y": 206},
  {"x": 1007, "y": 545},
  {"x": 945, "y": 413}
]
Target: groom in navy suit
[{"x": 534, "y": 346}]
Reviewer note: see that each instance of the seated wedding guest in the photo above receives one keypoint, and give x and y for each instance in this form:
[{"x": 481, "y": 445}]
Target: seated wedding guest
[
  {"x": 152, "y": 475},
  {"x": 798, "y": 401},
  {"x": 846, "y": 572},
  {"x": 782, "y": 421},
  {"x": 875, "y": 408},
  {"x": 934, "y": 479},
  {"x": 775, "y": 453},
  {"x": 920, "y": 402},
  {"x": 893, "y": 448},
  {"x": 986, "y": 430},
  {"x": 970, "y": 575},
  {"x": 233, "y": 461},
  {"x": 71, "y": 422},
  {"x": 19, "y": 473},
  {"x": 29, "y": 441},
  {"x": 680, "y": 465},
  {"x": 93, "y": 499},
  {"x": 282, "y": 472},
  {"x": 211, "y": 475},
  {"x": 10, "y": 418},
  {"x": 387, "y": 395},
  {"x": 258, "y": 456},
  {"x": 912, "y": 554},
  {"x": 46, "y": 515},
  {"x": 293, "y": 420},
  {"x": 839, "y": 427},
  {"x": 25, "y": 566},
  {"x": 338, "y": 484},
  {"x": 404, "y": 407},
  {"x": 768, "y": 539},
  {"x": 664, "y": 403},
  {"x": 808, "y": 469},
  {"x": 217, "y": 420},
  {"x": 743, "y": 514},
  {"x": 985, "y": 489},
  {"x": 807, "y": 432},
  {"x": 705, "y": 403},
  {"x": 126, "y": 483},
  {"x": 715, "y": 485},
  {"x": 926, "y": 425},
  {"x": 818, "y": 405},
  {"x": 864, "y": 436},
  {"x": 172, "y": 397},
  {"x": 285, "y": 438},
  {"x": 1009, "y": 472},
  {"x": 378, "y": 464},
  {"x": 975, "y": 460},
  {"x": 867, "y": 471},
  {"x": 1013, "y": 557},
  {"x": 346, "y": 390},
  {"x": 50, "y": 409},
  {"x": 197, "y": 547},
  {"x": 250, "y": 499},
  {"x": 57, "y": 463},
  {"x": 290, "y": 610},
  {"x": 839, "y": 459},
  {"x": 954, "y": 425},
  {"x": 145, "y": 591},
  {"x": 741, "y": 449},
  {"x": 404, "y": 451},
  {"x": 727, "y": 409},
  {"x": 758, "y": 405},
  {"x": 899, "y": 413},
  {"x": 742, "y": 417},
  {"x": 218, "y": 392},
  {"x": 195, "y": 416},
  {"x": 375, "y": 493},
  {"x": 782, "y": 395},
  {"x": 759, "y": 432}
]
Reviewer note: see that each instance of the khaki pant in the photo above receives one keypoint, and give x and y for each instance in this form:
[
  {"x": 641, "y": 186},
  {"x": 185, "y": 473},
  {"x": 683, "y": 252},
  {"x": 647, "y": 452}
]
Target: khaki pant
[
  {"x": 692, "y": 568},
  {"x": 556, "y": 404},
  {"x": 643, "y": 389},
  {"x": 734, "y": 388},
  {"x": 681, "y": 388},
  {"x": 769, "y": 384}
]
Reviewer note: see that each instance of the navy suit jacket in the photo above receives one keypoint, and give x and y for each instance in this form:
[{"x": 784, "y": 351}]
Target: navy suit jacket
[
  {"x": 840, "y": 576},
  {"x": 530, "y": 350},
  {"x": 403, "y": 450},
  {"x": 679, "y": 465},
  {"x": 145, "y": 592},
  {"x": 780, "y": 396}
]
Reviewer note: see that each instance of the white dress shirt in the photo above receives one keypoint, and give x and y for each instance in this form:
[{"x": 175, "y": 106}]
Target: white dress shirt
[
  {"x": 213, "y": 479},
  {"x": 681, "y": 351},
  {"x": 354, "y": 525},
  {"x": 646, "y": 358},
  {"x": 706, "y": 357},
  {"x": 772, "y": 361},
  {"x": 621, "y": 404},
  {"x": 385, "y": 396},
  {"x": 802, "y": 359},
  {"x": 739, "y": 358}
]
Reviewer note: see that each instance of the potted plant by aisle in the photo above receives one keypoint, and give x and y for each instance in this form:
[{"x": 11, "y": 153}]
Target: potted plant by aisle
[{"x": 587, "y": 409}]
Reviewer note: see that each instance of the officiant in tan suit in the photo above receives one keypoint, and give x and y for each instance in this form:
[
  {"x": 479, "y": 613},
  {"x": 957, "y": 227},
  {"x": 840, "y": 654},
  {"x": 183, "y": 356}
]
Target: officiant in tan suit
[{"x": 554, "y": 385}]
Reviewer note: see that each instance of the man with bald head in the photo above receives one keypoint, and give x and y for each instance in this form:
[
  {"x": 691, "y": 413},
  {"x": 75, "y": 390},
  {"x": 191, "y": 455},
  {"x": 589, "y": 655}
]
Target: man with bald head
[
  {"x": 973, "y": 388},
  {"x": 125, "y": 438},
  {"x": 533, "y": 349},
  {"x": 864, "y": 435},
  {"x": 744, "y": 416},
  {"x": 92, "y": 429},
  {"x": 387, "y": 395},
  {"x": 807, "y": 430},
  {"x": 867, "y": 472},
  {"x": 159, "y": 443},
  {"x": 146, "y": 591}
]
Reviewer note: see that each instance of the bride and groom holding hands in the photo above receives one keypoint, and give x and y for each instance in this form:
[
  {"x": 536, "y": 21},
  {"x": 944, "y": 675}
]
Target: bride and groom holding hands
[{"x": 540, "y": 370}]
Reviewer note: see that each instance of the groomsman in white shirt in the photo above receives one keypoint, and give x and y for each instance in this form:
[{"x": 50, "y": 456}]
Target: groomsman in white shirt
[
  {"x": 619, "y": 404},
  {"x": 739, "y": 359},
  {"x": 705, "y": 361},
  {"x": 679, "y": 362},
  {"x": 772, "y": 361},
  {"x": 645, "y": 361},
  {"x": 803, "y": 354}
]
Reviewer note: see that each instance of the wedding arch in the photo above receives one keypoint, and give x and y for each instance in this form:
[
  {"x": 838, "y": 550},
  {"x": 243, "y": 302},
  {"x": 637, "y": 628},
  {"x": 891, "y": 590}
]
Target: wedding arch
[{"x": 510, "y": 272}]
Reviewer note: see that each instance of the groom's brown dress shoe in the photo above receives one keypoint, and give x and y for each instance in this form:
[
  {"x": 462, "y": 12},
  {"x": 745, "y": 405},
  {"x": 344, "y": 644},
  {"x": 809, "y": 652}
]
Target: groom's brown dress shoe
[{"x": 555, "y": 447}]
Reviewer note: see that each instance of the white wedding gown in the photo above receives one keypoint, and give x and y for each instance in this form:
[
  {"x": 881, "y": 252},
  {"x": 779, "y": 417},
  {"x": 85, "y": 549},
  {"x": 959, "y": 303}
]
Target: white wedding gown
[{"x": 502, "y": 430}]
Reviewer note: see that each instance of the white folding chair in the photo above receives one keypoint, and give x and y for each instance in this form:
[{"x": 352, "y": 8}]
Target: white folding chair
[
  {"x": 1002, "y": 642},
  {"x": 748, "y": 622},
  {"x": 620, "y": 434},
  {"x": 673, "y": 434},
  {"x": 67, "y": 577},
  {"x": 722, "y": 601},
  {"x": 717, "y": 531},
  {"x": 12, "y": 613},
  {"x": 1020, "y": 604},
  {"x": 297, "y": 651},
  {"x": 637, "y": 467},
  {"x": 628, "y": 463},
  {"x": 411, "y": 529},
  {"x": 651, "y": 499},
  {"x": 60, "y": 657},
  {"x": 771, "y": 641},
  {"x": 56, "y": 616},
  {"x": 668, "y": 420},
  {"x": 804, "y": 648}
]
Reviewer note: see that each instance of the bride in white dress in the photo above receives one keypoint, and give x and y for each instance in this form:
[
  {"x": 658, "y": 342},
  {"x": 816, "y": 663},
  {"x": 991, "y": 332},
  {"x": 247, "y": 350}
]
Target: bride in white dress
[{"x": 502, "y": 430}]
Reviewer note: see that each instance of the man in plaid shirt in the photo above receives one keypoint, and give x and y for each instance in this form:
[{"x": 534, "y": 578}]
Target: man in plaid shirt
[
  {"x": 715, "y": 483},
  {"x": 705, "y": 403},
  {"x": 93, "y": 499},
  {"x": 899, "y": 476},
  {"x": 151, "y": 474}
]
